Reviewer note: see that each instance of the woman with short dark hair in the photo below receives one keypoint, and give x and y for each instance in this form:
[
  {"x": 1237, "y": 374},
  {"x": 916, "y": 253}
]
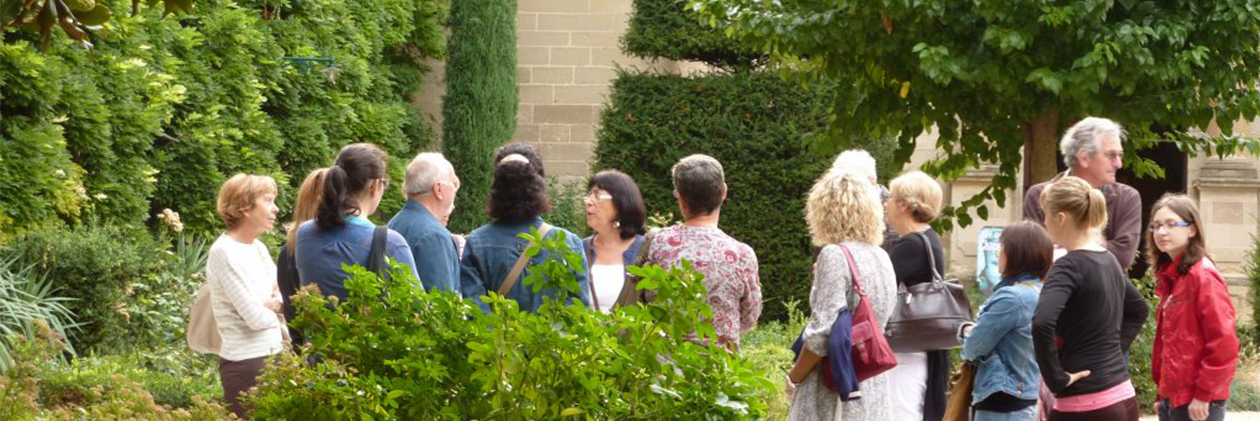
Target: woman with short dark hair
[
  {"x": 615, "y": 212},
  {"x": 518, "y": 199},
  {"x": 1000, "y": 342}
]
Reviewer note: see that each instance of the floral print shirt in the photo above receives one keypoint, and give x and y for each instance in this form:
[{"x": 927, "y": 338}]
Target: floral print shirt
[{"x": 730, "y": 274}]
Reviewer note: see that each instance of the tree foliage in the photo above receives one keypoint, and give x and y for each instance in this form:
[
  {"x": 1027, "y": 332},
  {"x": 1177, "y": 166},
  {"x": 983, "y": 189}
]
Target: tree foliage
[{"x": 992, "y": 77}]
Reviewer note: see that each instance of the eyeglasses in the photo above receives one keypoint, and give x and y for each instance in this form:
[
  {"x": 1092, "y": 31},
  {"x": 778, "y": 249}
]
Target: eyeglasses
[
  {"x": 454, "y": 185},
  {"x": 597, "y": 196},
  {"x": 384, "y": 183},
  {"x": 1156, "y": 226}
]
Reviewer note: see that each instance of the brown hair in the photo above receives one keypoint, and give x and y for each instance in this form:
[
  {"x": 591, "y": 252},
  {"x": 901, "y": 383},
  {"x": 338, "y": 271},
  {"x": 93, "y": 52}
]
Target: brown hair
[
  {"x": 919, "y": 193},
  {"x": 1196, "y": 248},
  {"x": 238, "y": 194},
  {"x": 358, "y": 165},
  {"x": 1028, "y": 250},
  {"x": 1083, "y": 204},
  {"x": 306, "y": 205}
]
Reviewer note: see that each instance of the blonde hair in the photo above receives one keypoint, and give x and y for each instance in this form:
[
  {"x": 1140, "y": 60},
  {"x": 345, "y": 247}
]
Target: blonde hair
[
  {"x": 920, "y": 193},
  {"x": 844, "y": 206},
  {"x": 1083, "y": 204},
  {"x": 306, "y": 205},
  {"x": 238, "y": 194}
]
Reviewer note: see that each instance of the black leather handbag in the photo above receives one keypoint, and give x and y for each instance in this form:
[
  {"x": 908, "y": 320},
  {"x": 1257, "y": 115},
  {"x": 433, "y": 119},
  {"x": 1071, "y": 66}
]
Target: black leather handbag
[{"x": 927, "y": 316}]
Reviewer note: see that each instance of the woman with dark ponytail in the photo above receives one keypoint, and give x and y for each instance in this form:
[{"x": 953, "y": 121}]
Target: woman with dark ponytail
[
  {"x": 341, "y": 232},
  {"x": 1088, "y": 313},
  {"x": 518, "y": 199}
]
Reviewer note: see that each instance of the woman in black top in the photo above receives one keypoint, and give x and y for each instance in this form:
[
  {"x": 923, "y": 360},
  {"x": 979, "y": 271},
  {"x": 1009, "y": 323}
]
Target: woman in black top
[
  {"x": 1088, "y": 313},
  {"x": 919, "y": 381}
]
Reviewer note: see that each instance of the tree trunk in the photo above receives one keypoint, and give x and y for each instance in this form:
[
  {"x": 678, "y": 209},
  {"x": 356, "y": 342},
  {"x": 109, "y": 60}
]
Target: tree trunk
[{"x": 1041, "y": 137}]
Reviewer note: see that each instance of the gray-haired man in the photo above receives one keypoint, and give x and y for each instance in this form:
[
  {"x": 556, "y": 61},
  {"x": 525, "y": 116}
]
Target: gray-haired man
[
  {"x": 1092, "y": 150},
  {"x": 430, "y": 186}
]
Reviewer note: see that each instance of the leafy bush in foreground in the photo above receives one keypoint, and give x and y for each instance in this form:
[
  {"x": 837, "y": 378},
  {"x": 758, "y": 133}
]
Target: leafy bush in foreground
[{"x": 392, "y": 351}]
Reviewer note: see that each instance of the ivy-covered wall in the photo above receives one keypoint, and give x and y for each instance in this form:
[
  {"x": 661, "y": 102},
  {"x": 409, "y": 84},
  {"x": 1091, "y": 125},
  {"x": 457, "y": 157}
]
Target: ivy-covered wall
[{"x": 161, "y": 110}]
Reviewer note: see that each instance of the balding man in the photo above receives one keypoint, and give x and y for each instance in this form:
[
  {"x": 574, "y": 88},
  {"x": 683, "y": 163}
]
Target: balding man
[
  {"x": 1092, "y": 150},
  {"x": 430, "y": 186}
]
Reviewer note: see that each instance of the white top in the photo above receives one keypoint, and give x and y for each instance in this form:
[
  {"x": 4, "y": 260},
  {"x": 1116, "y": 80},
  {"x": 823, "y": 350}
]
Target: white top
[
  {"x": 607, "y": 281},
  {"x": 242, "y": 278}
]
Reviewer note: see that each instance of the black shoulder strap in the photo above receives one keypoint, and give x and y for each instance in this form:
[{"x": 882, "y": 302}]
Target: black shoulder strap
[{"x": 376, "y": 257}]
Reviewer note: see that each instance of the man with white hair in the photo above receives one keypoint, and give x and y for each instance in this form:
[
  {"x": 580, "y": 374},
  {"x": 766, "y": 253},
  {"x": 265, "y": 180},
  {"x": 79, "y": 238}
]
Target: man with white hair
[
  {"x": 430, "y": 186},
  {"x": 861, "y": 163},
  {"x": 1092, "y": 151}
]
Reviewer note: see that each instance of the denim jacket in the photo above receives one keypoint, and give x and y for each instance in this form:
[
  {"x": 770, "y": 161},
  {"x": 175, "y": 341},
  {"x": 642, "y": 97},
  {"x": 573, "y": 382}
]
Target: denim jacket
[
  {"x": 492, "y": 250},
  {"x": 1001, "y": 343},
  {"x": 431, "y": 244}
]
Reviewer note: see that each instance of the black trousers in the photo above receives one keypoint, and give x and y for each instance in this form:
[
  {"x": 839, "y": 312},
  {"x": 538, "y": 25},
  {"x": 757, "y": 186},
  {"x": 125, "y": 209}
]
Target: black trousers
[
  {"x": 1126, "y": 410},
  {"x": 237, "y": 378}
]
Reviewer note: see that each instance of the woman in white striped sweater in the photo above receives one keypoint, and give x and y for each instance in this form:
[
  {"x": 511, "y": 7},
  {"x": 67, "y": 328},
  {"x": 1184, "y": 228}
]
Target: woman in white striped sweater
[{"x": 243, "y": 285}]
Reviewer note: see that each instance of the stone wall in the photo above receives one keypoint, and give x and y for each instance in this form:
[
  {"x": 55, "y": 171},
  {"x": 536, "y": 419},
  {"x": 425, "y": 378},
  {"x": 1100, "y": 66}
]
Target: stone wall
[{"x": 568, "y": 52}]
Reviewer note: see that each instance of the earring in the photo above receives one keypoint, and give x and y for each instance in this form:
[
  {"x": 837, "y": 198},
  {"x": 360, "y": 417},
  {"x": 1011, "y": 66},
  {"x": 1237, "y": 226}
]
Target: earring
[{"x": 617, "y": 224}]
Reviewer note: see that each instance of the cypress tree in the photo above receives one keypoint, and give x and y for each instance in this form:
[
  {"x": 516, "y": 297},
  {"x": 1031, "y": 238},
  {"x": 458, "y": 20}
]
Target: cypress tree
[{"x": 479, "y": 110}]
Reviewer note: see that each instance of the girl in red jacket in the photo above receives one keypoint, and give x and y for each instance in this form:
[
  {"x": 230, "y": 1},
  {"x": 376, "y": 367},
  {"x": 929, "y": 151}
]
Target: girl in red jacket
[{"x": 1196, "y": 347}]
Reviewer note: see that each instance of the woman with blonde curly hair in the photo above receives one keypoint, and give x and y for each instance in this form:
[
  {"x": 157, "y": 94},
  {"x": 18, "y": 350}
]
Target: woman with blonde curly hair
[{"x": 843, "y": 212}]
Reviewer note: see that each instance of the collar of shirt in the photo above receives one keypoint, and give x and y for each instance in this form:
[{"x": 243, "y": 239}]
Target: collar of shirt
[
  {"x": 355, "y": 220},
  {"x": 426, "y": 217}
]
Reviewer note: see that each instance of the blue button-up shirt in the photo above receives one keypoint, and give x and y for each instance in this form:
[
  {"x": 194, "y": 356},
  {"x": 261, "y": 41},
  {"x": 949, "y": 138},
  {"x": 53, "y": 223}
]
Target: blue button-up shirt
[
  {"x": 492, "y": 250},
  {"x": 437, "y": 262}
]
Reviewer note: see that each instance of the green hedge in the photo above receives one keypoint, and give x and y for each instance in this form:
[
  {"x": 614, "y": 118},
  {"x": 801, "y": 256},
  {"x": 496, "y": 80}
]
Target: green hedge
[
  {"x": 479, "y": 111},
  {"x": 1253, "y": 279},
  {"x": 162, "y": 110},
  {"x": 756, "y": 125},
  {"x": 97, "y": 268},
  {"x": 665, "y": 28}
]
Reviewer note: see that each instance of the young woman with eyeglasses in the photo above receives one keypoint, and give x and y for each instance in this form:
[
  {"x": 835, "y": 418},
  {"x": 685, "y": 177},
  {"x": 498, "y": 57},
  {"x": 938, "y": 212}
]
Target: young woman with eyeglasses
[{"x": 1196, "y": 347}]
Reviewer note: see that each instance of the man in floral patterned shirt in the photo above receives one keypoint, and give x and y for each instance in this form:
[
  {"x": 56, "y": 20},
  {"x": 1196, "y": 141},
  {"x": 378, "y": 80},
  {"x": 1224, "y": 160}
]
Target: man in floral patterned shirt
[{"x": 729, "y": 266}]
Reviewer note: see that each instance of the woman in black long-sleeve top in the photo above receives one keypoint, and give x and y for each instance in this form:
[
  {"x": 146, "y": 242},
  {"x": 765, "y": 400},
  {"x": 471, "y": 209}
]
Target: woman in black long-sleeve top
[
  {"x": 1089, "y": 313},
  {"x": 919, "y": 381}
]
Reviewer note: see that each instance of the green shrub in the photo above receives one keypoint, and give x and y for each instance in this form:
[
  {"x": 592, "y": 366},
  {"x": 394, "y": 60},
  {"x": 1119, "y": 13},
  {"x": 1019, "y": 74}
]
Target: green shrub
[
  {"x": 479, "y": 111},
  {"x": 97, "y": 267},
  {"x": 161, "y": 111},
  {"x": 756, "y": 125},
  {"x": 45, "y": 387},
  {"x": 1252, "y": 270},
  {"x": 173, "y": 376},
  {"x": 160, "y": 305},
  {"x": 392, "y": 351},
  {"x": 568, "y": 208},
  {"x": 26, "y": 302},
  {"x": 665, "y": 28}
]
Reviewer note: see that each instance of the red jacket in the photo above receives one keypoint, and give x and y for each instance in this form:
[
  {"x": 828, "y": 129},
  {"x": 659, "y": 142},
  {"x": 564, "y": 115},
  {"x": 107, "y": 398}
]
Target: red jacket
[{"x": 1196, "y": 347}]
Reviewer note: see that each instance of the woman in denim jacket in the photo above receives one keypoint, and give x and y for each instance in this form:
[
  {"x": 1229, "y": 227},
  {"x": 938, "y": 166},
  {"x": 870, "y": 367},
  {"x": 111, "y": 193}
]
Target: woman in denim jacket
[
  {"x": 1000, "y": 342},
  {"x": 518, "y": 198}
]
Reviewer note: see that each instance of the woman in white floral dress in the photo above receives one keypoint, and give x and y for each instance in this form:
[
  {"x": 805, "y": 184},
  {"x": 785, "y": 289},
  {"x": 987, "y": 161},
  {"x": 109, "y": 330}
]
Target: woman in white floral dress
[{"x": 843, "y": 208}]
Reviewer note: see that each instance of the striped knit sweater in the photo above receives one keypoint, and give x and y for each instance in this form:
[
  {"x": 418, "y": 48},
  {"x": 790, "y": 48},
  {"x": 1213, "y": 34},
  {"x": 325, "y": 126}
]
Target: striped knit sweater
[{"x": 242, "y": 278}]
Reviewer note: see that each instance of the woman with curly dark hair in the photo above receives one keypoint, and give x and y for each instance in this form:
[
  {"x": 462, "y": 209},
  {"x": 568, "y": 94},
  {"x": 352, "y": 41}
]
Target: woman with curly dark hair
[{"x": 518, "y": 199}]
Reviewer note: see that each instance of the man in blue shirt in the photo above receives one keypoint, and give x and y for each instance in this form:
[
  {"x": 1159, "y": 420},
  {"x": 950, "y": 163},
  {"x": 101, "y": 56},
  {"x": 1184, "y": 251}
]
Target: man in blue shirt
[{"x": 430, "y": 186}]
